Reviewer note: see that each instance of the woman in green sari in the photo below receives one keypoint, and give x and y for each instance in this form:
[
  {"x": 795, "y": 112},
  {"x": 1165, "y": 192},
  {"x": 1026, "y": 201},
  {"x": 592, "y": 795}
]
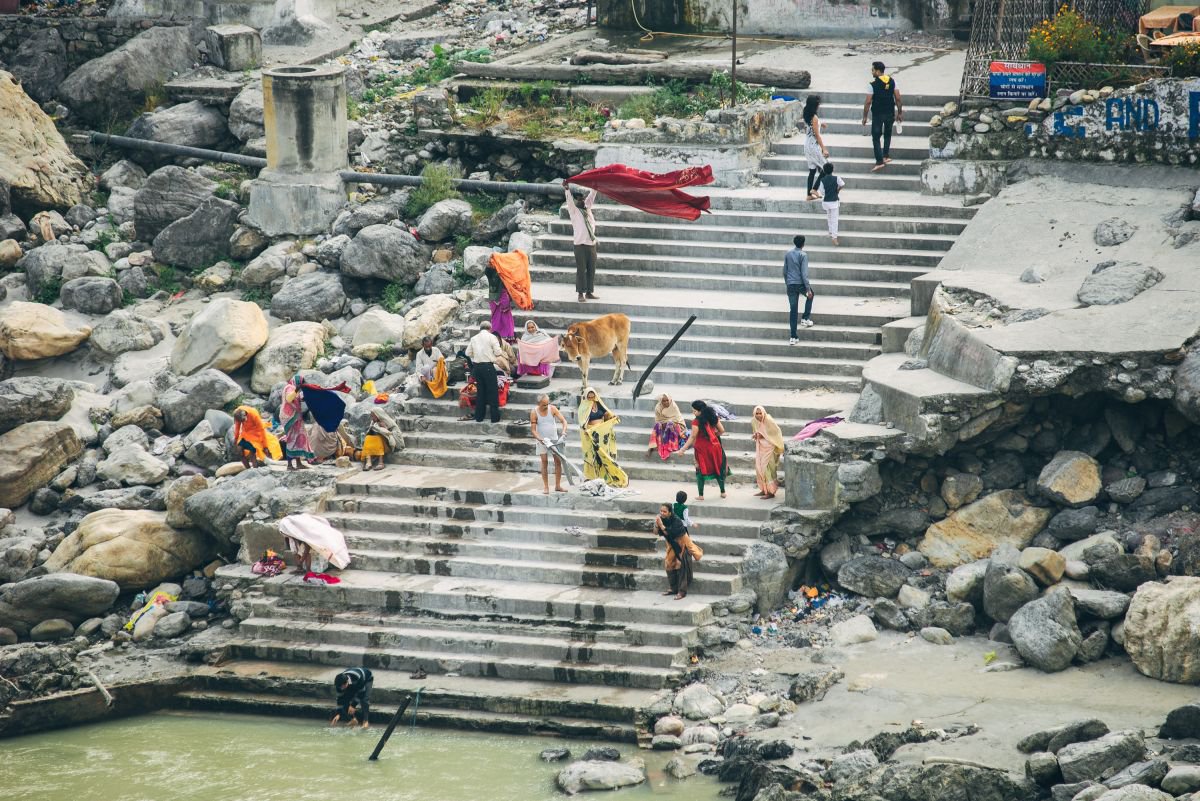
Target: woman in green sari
[{"x": 598, "y": 437}]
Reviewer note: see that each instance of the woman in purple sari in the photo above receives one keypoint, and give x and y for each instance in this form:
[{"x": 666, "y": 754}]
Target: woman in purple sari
[{"x": 501, "y": 305}]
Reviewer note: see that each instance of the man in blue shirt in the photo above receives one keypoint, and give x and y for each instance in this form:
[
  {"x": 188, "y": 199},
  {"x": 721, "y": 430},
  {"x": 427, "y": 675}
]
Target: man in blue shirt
[{"x": 795, "y": 276}]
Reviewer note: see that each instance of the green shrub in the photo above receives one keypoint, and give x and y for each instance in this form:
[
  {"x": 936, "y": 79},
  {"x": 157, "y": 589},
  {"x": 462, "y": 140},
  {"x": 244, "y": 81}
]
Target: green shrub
[
  {"x": 49, "y": 291},
  {"x": 441, "y": 66},
  {"x": 258, "y": 295},
  {"x": 438, "y": 186},
  {"x": 1184, "y": 60},
  {"x": 1070, "y": 36},
  {"x": 395, "y": 296},
  {"x": 488, "y": 104}
]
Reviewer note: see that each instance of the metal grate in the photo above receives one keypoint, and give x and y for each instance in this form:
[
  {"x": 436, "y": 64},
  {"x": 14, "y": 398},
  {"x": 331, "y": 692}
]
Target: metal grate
[
  {"x": 1000, "y": 31},
  {"x": 1076, "y": 75}
]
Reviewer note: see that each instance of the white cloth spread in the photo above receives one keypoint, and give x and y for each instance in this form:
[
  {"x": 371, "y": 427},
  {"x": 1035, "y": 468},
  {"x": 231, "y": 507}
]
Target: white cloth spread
[{"x": 316, "y": 532}]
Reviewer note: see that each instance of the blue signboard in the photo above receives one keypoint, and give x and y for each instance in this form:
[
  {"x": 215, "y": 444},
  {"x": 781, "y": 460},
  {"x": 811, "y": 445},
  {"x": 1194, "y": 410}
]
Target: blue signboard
[{"x": 1017, "y": 80}]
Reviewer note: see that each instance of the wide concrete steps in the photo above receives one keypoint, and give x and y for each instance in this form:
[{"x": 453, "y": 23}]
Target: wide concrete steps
[
  {"x": 845, "y": 166},
  {"x": 483, "y": 704},
  {"x": 625, "y": 251},
  {"x": 807, "y": 217},
  {"x": 879, "y": 202},
  {"x": 852, "y": 126},
  {"x": 791, "y": 176},
  {"x": 844, "y": 107},
  {"x": 847, "y": 146}
]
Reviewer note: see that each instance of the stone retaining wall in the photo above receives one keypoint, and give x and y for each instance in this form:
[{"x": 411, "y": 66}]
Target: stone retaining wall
[
  {"x": 85, "y": 38},
  {"x": 1156, "y": 121}
]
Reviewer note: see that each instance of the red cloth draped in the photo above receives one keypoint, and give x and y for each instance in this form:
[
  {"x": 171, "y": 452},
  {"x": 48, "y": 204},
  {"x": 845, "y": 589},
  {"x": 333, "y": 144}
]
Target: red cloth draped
[{"x": 657, "y": 193}]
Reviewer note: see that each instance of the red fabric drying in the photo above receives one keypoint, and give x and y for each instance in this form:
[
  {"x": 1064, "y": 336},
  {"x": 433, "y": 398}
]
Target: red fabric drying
[{"x": 656, "y": 193}]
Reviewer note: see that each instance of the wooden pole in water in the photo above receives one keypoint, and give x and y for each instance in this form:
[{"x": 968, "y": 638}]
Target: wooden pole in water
[{"x": 387, "y": 733}]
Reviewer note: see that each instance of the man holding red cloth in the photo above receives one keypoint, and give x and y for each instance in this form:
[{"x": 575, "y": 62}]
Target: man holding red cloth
[{"x": 583, "y": 227}]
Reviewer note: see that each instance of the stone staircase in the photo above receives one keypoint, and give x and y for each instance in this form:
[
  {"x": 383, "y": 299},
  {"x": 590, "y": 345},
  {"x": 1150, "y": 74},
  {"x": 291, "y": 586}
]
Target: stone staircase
[{"x": 537, "y": 612}]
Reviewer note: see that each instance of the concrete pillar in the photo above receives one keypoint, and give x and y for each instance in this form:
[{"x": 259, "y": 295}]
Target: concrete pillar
[{"x": 304, "y": 114}]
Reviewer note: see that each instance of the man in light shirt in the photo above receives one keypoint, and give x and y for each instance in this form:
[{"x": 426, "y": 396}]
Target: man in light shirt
[
  {"x": 583, "y": 226},
  {"x": 483, "y": 350}
]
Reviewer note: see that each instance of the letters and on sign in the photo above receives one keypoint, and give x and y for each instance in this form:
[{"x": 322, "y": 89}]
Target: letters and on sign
[{"x": 1017, "y": 80}]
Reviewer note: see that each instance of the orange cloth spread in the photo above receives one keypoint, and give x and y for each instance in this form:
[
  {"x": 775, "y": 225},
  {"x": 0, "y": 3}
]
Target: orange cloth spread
[{"x": 514, "y": 272}]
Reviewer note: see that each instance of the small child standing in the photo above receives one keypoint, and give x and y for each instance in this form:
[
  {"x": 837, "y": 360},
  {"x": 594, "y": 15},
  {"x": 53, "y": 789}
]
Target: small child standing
[
  {"x": 681, "y": 511},
  {"x": 830, "y": 187}
]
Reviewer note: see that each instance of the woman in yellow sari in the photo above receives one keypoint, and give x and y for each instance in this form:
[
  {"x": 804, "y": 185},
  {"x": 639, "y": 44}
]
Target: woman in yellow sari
[
  {"x": 598, "y": 437},
  {"x": 768, "y": 447}
]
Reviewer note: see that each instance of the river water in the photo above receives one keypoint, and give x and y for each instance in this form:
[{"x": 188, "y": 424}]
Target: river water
[{"x": 177, "y": 756}]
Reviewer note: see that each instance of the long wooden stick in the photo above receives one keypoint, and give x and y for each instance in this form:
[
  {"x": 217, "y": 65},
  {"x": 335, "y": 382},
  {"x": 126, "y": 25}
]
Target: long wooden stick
[
  {"x": 637, "y": 390},
  {"x": 390, "y": 728},
  {"x": 108, "y": 699}
]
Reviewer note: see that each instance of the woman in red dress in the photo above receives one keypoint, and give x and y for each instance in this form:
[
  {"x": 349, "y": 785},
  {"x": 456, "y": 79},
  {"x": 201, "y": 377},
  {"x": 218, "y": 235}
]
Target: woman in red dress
[{"x": 705, "y": 440}]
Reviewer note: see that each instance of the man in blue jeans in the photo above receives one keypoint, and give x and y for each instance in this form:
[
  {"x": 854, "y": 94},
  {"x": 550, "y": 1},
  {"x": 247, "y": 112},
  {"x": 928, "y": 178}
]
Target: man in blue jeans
[{"x": 795, "y": 276}]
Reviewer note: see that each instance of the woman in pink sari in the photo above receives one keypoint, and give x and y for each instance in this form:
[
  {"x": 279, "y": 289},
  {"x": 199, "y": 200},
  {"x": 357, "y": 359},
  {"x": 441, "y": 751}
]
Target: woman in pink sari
[
  {"x": 291, "y": 416},
  {"x": 537, "y": 351},
  {"x": 768, "y": 447}
]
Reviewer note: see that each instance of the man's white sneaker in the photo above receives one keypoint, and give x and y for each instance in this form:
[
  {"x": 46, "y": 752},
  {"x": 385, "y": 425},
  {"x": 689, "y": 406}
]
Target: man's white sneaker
[
  {"x": 793, "y": 341},
  {"x": 807, "y": 323}
]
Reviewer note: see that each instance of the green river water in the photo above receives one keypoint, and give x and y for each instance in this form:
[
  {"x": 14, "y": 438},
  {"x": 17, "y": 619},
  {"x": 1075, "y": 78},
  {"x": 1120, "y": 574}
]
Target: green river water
[{"x": 176, "y": 756}]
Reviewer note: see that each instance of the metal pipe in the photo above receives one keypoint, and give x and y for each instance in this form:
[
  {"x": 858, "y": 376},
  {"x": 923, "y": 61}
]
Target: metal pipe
[
  {"x": 733, "y": 63},
  {"x": 97, "y": 138},
  {"x": 349, "y": 176}
]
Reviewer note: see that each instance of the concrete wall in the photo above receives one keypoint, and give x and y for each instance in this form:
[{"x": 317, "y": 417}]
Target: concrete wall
[
  {"x": 774, "y": 17},
  {"x": 85, "y": 38}
]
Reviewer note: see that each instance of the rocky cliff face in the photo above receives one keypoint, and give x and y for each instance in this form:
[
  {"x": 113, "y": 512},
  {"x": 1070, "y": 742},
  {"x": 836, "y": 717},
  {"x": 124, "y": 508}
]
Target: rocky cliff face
[{"x": 41, "y": 170}]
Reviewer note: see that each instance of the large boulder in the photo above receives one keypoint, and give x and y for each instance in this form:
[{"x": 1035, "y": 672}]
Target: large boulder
[
  {"x": 31, "y": 455},
  {"x": 313, "y": 297},
  {"x": 136, "y": 549},
  {"x": 696, "y": 702},
  {"x": 224, "y": 335},
  {"x": 873, "y": 576},
  {"x": 974, "y": 531},
  {"x": 26, "y": 399},
  {"x": 1117, "y": 282},
  {"x": 190, "y": 124},
  {"x": 1187, "y": 386},
  {"x": 184, "y": 404},
  {"x": 290, "y": 349},
  {"x": 35, "y": 161},
  {"x": 1006, "y": 588},
  {"x": 1045, "y": 633},
  {"x": 274, "y": 262},
  {"x": 1095, "y": 760},
  {"x": 1071, "y": 478},
  {"x": 40, "y": 62},
  {"x": 132, "y": 466},
  {"x": 92, "y": 295},
  {"x": 59, "y": 595},
  {"x": 169, "y": 194},
  {"x": 427, "y": 319},
  {"x": 201, "y": 238},
  {"x": 221, "y": 508},
  {"x": 1162, "y": 629},
  {"x": 943, "y": 782},
  {"x": 123, "y": 331},
  {"x": 246, "y": 113},
  {"x": 370, "y": 332},
  {"x": 444, "y": 219},
  {"x": 115, "y": 84},
  {"x": 587, "y": 775},
  {"x": 124, "y": 174},
  {"x": 385, "y": 253},
  {"x": 53, "y": 263}
]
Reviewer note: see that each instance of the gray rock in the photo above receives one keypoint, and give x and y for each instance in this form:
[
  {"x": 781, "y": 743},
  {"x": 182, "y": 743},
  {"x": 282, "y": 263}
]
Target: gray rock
[
  {"x": 1054, "y": 739},
  {"x": 873, "y": 576},
  {"x": 859, "y": 480},
  {"x": 444, "y": 219},
  {"x": 847, "y": 766},
  {"x": 1187, "y": 386},
  {"x": 25, "y": 399},
  {"x": 246, "y": 113},
  {"x": 1006, "y": 589},
  {"x": 936, "y": 636},
  {"x": 1071, "y": 478},
  {"x": 190, "y": 124},
  {"x": 814, "y": 684},
  {"x": 53, "y": 629},
  {"x": 1045, "y": 633},
  {"x": 136, "y": 282},
  {"x": 1124, "y": 572},
  {"x": 437, "y": 280},
  {"x": 889, "y": 614},
  {"x": 116, "y": 83},
  {"x": 1074, "y": 524},
  {"x": 500, "y": 223},
  {"x": 80, "y": 215},
  {"x": 1042, "y": 769},
  {"x": 1182, "y": 779},
  {"x": 92, "y": 295},
  {"x": 184, "y": 404},
  {"x": 696, "y": 702},
  {"x": 273, "y": 263},
  {"x": 123, "y": 331},
  {"x": 1182, "y": 723},
  {"x": 1126, "y": 490},
  {"x": 1092, "y": 549},
  {"x": 313, "y": 297},
  {"x": 554, "y": 754},
  {"x": 44, "y": 267},
  {"x": 201, "y": 238},
  {"x": 131, "y": 466},
  {"x": 1093, "y": 646},
  {"x": 601, "y": 753},
  {"x": 1096, "y": 759},
  {"x": 376, "y": 212},
  {"x": 592, "y": 775},
  {"x": 965, "y": 582},
  {"x": 246, "y": 243},
  {"x": 1117, "y": 282},
  {"x": 125, "y": 174},
  {"x": 40, "y": 62},
  {"x": 956, "y": 618},
  {"x": 1113, "y": 231},
  {"x": 169, "y": 194},
  {"x": 1102, "y": 604},
  {"x": 944, "y": 782},
  {"x": 1160, "y": 501},
  {"x": 1149, "y": 773},
  {"x": 665, "y": 742},
  {"x": 58, "y": 595},
  {"x": 329, "y": 252},
  {"x": 172, "y": 625},
  {"x": 385, "y": 253}
]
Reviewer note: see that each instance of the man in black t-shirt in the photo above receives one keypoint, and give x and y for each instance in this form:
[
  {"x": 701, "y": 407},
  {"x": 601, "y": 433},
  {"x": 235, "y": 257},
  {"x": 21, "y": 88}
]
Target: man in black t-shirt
[{"x": 886, "y": 108}]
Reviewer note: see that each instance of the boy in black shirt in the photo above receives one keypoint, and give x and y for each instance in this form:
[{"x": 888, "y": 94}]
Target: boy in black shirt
[
  {"x": 886, "y": 108},
  {"x": 353, "y": 688}
]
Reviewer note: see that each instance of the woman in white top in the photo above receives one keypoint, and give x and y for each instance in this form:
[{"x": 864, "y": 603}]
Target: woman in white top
[{"x": 815, "y": 151}]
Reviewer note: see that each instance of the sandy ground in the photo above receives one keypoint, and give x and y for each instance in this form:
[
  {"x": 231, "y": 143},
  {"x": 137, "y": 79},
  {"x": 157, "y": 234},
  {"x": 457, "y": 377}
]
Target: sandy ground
[{"x": 898, "y": 679}]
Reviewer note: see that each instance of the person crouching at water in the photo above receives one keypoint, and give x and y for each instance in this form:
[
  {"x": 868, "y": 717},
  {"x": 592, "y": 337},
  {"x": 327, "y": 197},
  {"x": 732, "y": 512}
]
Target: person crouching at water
[
  {"x": 681, "y": 551},
  {"x": 353, "y": 688}
]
